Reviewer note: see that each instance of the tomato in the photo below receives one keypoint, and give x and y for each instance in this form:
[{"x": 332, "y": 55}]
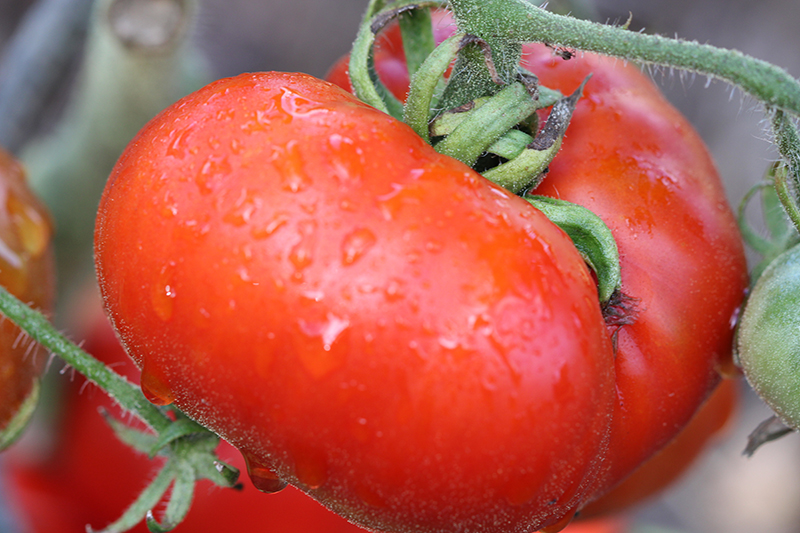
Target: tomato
[
  {"x": 681, "y": 255},
  {"x": 27, "y": 271},
  {"x": 769, "y": 350},
  {"x": 367, "y": 319},
  {"x": 683, "y": 266},
  {"x": 676, "y": 458},
  {"x": 90, "y": 477}
]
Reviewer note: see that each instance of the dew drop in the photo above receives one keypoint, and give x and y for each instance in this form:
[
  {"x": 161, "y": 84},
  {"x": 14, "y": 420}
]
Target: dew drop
[
  {"x": 311, "y": 469},
  {"x": 163, "y": 294},
  {"x": 560, "y": 525},
  {"x": 288, "y": 163},
  {"x": 180, "y": 145},
  {"x": 434, "y": 246},
  {"x": 393, "y": 291},
  {"x": 155, "y": 388},
  {"x": 263, "y": 478},
  {"x": 277, "y": 222},
  {"x": 356, "y": 244}
]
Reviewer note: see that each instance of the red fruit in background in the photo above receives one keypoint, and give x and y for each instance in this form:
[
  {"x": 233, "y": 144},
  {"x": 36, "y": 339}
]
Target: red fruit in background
[{"x": 27, "y": 271}]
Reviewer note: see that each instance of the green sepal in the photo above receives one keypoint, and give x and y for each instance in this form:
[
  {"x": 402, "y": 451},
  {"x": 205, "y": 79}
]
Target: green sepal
[
  {"x": 591, "y": 237},
  {"x": 426, "y": 82},
  {"x": 484, "y": 125},
  {"x": 141, "y": 441},
  {"x": 182, "y": 427},
  {"x": 180, "y": 501},
  {"x": 146, "y": 501},
  {"x": 16, "y": 426},
  {"x": 526, "y": 170}
]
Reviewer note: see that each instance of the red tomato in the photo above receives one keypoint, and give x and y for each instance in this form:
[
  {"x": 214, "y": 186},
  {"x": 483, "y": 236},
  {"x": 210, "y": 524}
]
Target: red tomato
[
  {"x": 27, "y": 271},
  {"x": 675, "y": 458},
  {"x": 90, "y": 477},
  {"x": 634, "y": 160},
  {"x": 376, "y": 323}
]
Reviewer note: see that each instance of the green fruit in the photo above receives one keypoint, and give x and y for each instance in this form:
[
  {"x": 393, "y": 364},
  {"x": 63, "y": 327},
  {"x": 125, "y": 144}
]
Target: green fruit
[{"x": 769, "y": 337}]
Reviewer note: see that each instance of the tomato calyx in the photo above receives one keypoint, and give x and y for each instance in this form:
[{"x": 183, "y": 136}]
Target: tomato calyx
[
  {"x": 190, "y": 452},
  {"x": 591, "y": 237}
]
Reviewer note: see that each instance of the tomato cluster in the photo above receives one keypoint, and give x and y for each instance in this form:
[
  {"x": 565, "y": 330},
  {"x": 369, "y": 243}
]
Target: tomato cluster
[
  {"x": 413, "y": 346},
  {"x": 26, "y": 270}
]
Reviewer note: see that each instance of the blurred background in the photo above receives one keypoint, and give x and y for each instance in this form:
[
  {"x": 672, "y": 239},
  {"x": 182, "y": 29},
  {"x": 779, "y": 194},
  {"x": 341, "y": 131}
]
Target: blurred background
[{"x": 725, "y": 492}]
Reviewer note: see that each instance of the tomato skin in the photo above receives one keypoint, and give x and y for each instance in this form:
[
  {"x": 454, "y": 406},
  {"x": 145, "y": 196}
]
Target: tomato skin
[
  {"x": 27, "y": 271},
  {"x": 681, "y": 253},
  {"x": 90, "y": 477},
  {"x": 372, "y": 321},
  {"x": 769, "y": 350},
  {"x": 676, "y": 458}
]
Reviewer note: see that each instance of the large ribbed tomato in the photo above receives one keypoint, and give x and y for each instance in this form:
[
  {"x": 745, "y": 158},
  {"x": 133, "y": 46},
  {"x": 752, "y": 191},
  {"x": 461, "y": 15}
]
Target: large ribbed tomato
[{"x": 362, "y": 317}]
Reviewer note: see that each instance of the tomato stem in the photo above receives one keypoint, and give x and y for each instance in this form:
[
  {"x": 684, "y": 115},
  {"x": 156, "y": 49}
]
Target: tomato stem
[
  {"x": 787, "y": 179},
  {"x": 426, "y": 82},
  {"x": 519, "y": 21}
]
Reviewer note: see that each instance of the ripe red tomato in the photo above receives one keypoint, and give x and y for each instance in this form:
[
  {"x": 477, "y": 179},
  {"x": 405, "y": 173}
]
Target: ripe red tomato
[
  {"x": 634, "y": 160},
  {"x": 374, "y": 322},
  {"x": 27, "y": 271},
  {"x": 676, "y": 458}
]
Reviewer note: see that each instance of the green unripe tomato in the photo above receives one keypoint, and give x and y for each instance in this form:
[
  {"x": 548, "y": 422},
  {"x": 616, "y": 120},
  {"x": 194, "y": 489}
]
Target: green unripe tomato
[{"x": 769, "y": 337}]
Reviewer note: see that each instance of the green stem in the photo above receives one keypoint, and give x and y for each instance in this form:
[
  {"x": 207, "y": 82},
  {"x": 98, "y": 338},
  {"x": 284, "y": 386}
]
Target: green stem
[
  {"x": 124, "y": 392},
  {"x": 417, "y": 111},
  {"x": 519, "y": 21},
  {"x": 366, "y": 84}
]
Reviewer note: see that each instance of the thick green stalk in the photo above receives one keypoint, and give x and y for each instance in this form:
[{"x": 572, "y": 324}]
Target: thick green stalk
[{"x": 520, "y": 21}]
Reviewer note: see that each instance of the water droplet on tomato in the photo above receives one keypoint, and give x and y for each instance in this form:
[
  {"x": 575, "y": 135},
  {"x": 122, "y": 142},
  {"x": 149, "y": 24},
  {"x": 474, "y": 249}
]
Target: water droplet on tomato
[
  {"x": 243, "y": 209},
  {"x": 328, "y": 331},
  {"x": 393, "y": 290},
  {"x": 301, "y": 254},
  {"x": 434, "y": 246},
  {"x": 163, "y": 294},
  {"x": 356, "y": 244},
  {"x": 288, "y": 161},
  {"x": 311, "y": 469},
  {"x": 277, "y": 222},
  {"x": 263, "y": 478},
  {"x": 180, "y": 145},
  {"x": 560, "y": 525},
  {"x": 213, "y": 171},
  {"x": 297, "y": 105},
  {"x": 155, "y": 388}
]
